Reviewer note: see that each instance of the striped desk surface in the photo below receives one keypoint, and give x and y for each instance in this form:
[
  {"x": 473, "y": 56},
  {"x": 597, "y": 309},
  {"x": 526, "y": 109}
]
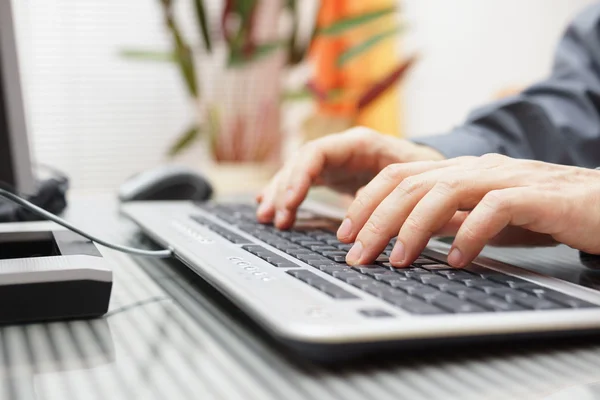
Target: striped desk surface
[{"x": 167, "y": 336}]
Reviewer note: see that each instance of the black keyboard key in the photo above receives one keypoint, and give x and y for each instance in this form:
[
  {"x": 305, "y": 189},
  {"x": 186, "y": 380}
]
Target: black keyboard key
[
  {"x": 375, "y": 313},
  {"x": 320, "y": 236},
  {"x": 297, "y": 252},
  {"x": 313, "y": 257},
  {"x": 437, "y": 267},
  {"x": 382, "y": 259},
  {"x": 456, "y": 305},
  {"x": 254, "y": 248},
  {"x": 321, "y": 248},
  {"x": 477, "y": 282},
  {"x": 446, "y": 286},
  {"x": 493, "y": 303},
  {"x": 339, "y": 259},
  {"x": 346, "y": 274},
  {"x": 334, "y": 253},
  {"x": 434, "y": 279},
  {"x": 535, "y": 303},
  {"x": 410, "y": 287},
  {"x": 427, "y": 293},
  {"x": 285, "y": 245},
  {"x": 456, "y": 275},
  {"x": 339, "y": 293},
  {"x": 419, "y": 307},
  {"x": 559, "y": 297},
  {"x": 333, "y": 242},
  {"x": 506, "y": 293},
  {"x": 368, "y": 285},
  {"x": 309, "y": 243},
  {"x": 331, "y": 269},
  {"x": 321, "y": 284},
  {"x": 300, "y": 238},
  {"x": 462, "y": 291},
  {"x": 344, "y": 247},
  {"x": 392, "y": 279},
  {"x": 423, "y": 261},
  {"x": 371, "y": 270},
  {"x": 515, "y": 283}
]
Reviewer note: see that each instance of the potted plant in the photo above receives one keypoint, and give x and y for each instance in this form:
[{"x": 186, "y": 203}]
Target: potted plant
[{"x": 234, "y": 75}]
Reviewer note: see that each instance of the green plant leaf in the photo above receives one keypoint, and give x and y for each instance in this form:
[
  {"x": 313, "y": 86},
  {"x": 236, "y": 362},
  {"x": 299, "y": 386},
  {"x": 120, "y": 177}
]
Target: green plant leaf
[
  {"x": 347, "y": 24},
  {"x": 147, "y": 55},
  {"x": 297, "y": 95},
  {"x": 184, "y": 140},
  {"x": 202, "y": 21},
  {"x": 365, "y": 46},
  {"x": 238, "y": 59}
]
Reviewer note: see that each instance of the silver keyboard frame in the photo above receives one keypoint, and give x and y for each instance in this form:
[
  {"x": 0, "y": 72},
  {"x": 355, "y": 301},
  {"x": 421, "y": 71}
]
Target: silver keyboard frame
[{"x": 293, "y": 311}]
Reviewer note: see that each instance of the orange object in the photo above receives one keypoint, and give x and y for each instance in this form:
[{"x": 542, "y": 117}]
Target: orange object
[{"x": 356, "y": 77}]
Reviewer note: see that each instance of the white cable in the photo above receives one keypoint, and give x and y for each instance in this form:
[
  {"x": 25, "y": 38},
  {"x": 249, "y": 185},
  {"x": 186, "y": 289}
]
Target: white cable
[{"x": 51, "y": 217}]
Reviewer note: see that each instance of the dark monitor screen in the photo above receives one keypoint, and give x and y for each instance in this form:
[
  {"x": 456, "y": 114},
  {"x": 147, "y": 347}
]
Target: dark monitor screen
[
  {"x": 7, "y": 173},
  {"x": 15, "y": 160}
]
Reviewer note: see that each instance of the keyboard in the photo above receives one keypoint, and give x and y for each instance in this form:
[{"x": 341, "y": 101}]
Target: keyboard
[{"x": 428, "y": 287}]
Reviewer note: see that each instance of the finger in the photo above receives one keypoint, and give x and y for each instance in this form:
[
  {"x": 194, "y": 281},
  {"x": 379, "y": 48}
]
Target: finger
[
  {"x": 333, "y": 150},
  {"x": 387, "y": 218},
  {"x": 523, "y": 207},
  {"x": 283, "y": 216},
  {"x": 459, "y": 187},
  {"x": 369, "y": 198},
  {"x": 434, "y": 211},
  {"x": 266, "y": 210}
]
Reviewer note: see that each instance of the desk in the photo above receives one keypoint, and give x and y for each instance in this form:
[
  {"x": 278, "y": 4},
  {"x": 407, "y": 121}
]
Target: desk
[{"x": 166, "y": 338}]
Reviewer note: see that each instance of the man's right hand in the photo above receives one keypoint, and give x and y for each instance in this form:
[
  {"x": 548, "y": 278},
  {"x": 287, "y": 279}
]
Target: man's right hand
[{"x": 344, "y": 162}]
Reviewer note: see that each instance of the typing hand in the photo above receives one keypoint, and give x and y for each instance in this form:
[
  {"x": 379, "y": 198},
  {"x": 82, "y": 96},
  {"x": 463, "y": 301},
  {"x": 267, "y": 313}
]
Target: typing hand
[
  {"x": 344, "y": 162},
  {"x": 529, "y": 199}
]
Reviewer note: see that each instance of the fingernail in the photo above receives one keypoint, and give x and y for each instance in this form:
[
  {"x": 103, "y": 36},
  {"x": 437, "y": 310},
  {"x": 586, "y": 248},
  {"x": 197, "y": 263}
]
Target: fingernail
[
  {"x": 455, "y": 258},
  {"x": 345, "y": 229},
  {"x": 398, "y": 253},
  {"x": 289, "y": 196},
  {"x": 354, "y": 254},
  {"x": 281, "y": 217},
  {"x": 262, "y": 209}
]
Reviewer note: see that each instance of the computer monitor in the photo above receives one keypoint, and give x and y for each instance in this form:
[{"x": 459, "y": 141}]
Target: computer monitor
[{"x": 15, "y": 158}]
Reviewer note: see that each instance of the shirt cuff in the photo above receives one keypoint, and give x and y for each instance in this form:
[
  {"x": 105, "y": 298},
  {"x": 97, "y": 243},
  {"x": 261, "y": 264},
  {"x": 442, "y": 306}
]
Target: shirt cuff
[{"x": 462, "y": 141}]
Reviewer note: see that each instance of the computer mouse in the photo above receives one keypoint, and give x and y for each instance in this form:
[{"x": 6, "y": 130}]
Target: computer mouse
[{"x": 169, "y": 182}]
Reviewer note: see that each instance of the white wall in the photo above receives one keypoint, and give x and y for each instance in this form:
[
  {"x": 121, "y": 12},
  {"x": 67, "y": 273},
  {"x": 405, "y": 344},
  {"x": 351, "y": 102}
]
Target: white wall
[
  {"x": 471, "y": 49},
  {"x": 101, "y": 118}
]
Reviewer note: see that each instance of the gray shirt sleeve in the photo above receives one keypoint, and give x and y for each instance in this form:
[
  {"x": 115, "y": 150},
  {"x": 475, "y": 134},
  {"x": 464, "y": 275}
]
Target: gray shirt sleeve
[{"x": 556, "y": 120}]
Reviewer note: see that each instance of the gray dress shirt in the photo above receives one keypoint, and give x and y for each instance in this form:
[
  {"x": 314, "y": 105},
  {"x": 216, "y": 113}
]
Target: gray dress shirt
[{"x": 556, "y": 120}]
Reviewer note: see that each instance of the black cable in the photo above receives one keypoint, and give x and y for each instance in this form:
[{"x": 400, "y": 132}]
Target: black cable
[{"x": 51, "y": 217}]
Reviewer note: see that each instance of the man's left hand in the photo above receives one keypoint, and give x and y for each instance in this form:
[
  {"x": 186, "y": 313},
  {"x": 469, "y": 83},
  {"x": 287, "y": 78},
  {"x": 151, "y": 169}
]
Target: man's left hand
[{"x": 479, "y": 199}]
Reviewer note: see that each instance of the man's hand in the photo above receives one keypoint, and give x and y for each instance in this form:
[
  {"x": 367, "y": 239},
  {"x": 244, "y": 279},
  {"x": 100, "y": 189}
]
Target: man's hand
[
  {"x": 478, "y": 198},
  {"x": 344, "y": 162}
]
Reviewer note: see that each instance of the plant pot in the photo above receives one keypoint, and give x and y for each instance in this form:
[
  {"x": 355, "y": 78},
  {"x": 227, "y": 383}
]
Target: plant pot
[
  {"x": 239, "y": 178},
  {"x": 240, "y": 105}
]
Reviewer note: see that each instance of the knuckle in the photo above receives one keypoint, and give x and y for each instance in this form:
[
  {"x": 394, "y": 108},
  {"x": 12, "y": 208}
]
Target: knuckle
[
  {"x": 493, "y": 158},
  {"x": 410, "y": 185},
  {"x": 496, "y": 201},
  {"x": 392, "y": 172},
  {"x": 362, "y": 200},
  {"x": 448, "y": 186},
  {"x": 469, "y": 232},
  {"x": 414, "y": 225},
  {"x": 374, "y": 227}
]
